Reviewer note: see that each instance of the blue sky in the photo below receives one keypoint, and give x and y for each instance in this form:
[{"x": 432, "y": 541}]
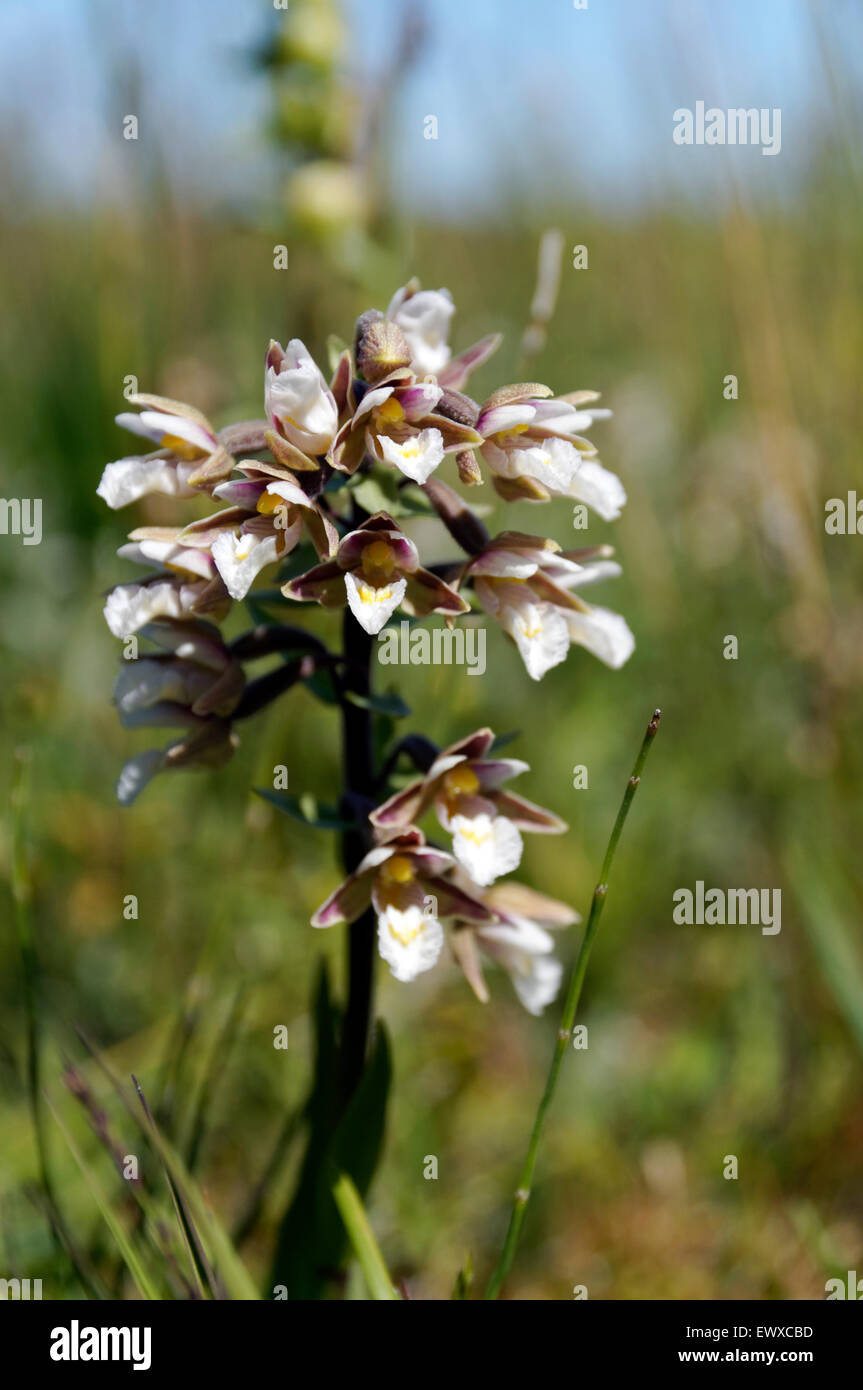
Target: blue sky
[{"x": 533, "y": 97}]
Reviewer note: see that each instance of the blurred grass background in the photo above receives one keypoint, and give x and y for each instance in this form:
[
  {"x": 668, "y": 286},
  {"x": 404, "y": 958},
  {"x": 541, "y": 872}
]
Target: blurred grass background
[{"x": 704, "y": 1041}]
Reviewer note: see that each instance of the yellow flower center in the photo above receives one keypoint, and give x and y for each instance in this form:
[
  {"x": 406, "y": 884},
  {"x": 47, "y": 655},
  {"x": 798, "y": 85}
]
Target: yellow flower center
[
  {"x": 410, "y": 934},
  {"x": 378, "y": 565},
  {"x": 398, "y": 869},
  {"x": 181, "y": 447},
  {"x": 461, "y": 781},
  {"x": 390, "y": 411},
  {"x": 270, "y": 502},
  {"x": 368, "y": 595},
  {"x": 476, "y": 837},
  {"x": 503, "y": 435},
  {"x": 379, "y": 556}
]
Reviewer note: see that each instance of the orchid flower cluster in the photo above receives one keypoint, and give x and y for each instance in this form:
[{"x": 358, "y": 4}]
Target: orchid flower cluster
[
  {"x": 412, "y": 886},
  {"x": 295, "y": 485}
]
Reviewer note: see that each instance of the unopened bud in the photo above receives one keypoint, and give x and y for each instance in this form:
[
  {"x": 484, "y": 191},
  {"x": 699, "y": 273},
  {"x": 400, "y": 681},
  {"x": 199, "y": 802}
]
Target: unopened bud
[
  {"x": 381, "y": 347},
  {"x": 468, "y": 469}
]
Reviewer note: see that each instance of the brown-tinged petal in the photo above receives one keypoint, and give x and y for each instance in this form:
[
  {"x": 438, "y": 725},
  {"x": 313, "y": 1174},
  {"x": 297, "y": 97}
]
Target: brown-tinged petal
[
  {"x": 288, "y": 455},
  {"x": 348, "y": 449},
  {"x": 403, "y": 807},
  {"x": 348, "y": 902},
  {"x": 213, "y": 599},
  {"x": 464, "y": 948},
  {"x": 205, "y": 530},
  {"x": 521, "y": 489},
  {"x": 549, "y": 592},
  {"x": 322, "y": 531},
  {"x": 171, "y": 407},
  {"x": 455, "y": 902},
  {"x": 213, "y": 469},
  {"x": 342, "y": 380},
  {"x": 473, "y": 747},
  {"x": 469, "y": 471},
  {"x": 527, "y": 815},
  {"x": 580, "y": 398},
  {"x": 426, "y": 593},
  {"x": 454, "y": 435},
  {"x": 495, "y": 771},
  {"x": 456, "y": 372},
  {"x": 244, "y": 437},
  {"x": 223, "y": 696},
  {"x": 520, "y": 901},
  {"x": 212, "y": 746},
  {"x": 324, "y": 584},
  {"x": 519, "y": 391}
]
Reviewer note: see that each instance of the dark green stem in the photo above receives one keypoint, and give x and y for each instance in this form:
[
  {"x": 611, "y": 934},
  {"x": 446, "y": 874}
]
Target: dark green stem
[{"x": 358, "y": 800}]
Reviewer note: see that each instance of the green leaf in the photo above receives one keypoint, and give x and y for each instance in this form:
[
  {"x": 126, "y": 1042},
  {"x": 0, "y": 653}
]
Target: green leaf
[
  {"x": 390, "y": 704},
  {"x": 464, "y": 1280},
  {"x": 306, "y": 808},
  {"x": 313, "y": 1238},
  {"x": 362, "y": 1238},
  {"x": 255, "y": 606},
  {"x": 503, "y": 740},
  {"x": 380, "y": 490},
  {"x": 373, "y": 494},
  {"x": 322, "y": 685}
]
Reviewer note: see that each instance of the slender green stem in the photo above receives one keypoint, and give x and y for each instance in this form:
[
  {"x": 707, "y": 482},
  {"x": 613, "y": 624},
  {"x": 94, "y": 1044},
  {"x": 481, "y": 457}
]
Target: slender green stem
[{"x": 522, "y": 1195}]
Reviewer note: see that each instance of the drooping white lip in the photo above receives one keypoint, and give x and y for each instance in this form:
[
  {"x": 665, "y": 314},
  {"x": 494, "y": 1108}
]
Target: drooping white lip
[{"x": 373, "y": 607}]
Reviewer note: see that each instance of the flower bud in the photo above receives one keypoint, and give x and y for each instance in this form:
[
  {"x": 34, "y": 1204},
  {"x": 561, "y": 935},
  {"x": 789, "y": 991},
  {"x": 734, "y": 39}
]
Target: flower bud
[{"x": 381, "y": 347}]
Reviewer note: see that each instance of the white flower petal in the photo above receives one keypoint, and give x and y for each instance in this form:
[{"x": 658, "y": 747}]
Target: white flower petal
[
  {"x": 424, "y": 320},
  {"x": 417, "y": 457},
  {"x": 143, "y": 683},
  {"x": 409, "y": 940},
  {"x": 127, "y": 479},
  {"x": 170, "y": 555},
  {"x": 239, "y": 558},
  {"x": 158, "y": 424},
  {"x": 298, "y": 398},
  {"x": 604, "y": 633},
  {"x": 137, "y": 772},
  {"x": 486, "y": 847},
  {"x": 540, "y": 632},
  {"x": 372, "y": 607},
  {"x": 520, "y": 934},
  {"x": 129, "y": 606},
  {"x": 541, "y": 985},
  {"x": 598, "y": 488}
]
